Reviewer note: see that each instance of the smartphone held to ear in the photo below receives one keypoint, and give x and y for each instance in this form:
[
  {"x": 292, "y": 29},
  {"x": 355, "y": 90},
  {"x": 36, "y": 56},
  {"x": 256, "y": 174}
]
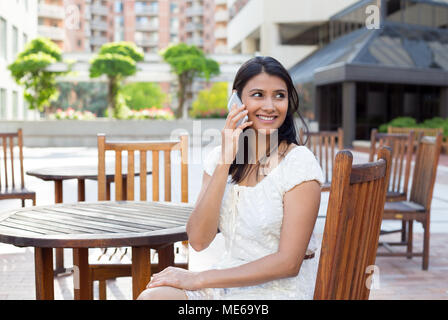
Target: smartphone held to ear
[{"x": 234, "y": 99}]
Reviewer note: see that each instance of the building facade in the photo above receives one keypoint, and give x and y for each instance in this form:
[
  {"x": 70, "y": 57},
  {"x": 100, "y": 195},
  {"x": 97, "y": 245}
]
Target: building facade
[
  {"x": 18, "y": 25},
  {"x": 51, "y": 20},
  {"x": 283, "y": 29},
  {"x": 151, "y": 24},
  {"x": 366, "y": 76}
]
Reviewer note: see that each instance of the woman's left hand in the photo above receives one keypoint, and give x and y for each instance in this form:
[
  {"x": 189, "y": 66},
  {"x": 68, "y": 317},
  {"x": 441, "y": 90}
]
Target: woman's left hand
[{"x": 177, "y": 278}]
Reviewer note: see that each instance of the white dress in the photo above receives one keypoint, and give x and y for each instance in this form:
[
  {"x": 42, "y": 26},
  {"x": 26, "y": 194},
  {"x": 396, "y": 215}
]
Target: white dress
[{"x": 250, "y": 222}]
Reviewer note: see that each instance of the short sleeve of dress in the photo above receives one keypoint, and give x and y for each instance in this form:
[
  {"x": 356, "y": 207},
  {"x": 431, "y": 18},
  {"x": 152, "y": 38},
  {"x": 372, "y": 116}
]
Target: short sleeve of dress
[
  {"x": 211, "y": 160},
  {"x": 300, "y": 166}
]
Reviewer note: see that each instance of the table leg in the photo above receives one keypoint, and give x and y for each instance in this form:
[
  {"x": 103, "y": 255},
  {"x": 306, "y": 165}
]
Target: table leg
[
  {"x": 81, "y": 275},
  {"x": 141, "y": 269},
  {"x": 166, "y": 256},
  {"x": 43, "y": 264},
  {"x": 58, "y": 198}
]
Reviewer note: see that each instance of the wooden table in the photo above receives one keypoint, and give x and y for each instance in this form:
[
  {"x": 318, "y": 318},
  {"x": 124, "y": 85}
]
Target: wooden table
[
  {"x": 140, "y": 225},
  {"x": 81, "y": 174}
]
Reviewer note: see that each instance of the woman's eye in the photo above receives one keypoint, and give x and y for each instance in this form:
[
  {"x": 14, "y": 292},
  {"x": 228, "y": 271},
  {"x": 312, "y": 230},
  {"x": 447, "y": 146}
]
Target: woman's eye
[
  {"x": 280, "y": 95},
  {"x": 257, "y": 94}
]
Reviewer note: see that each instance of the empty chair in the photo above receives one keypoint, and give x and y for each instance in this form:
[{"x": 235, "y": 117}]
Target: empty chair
[
  {"x": 352, "y": 227},
  {"x": 418, "y": 205},
  {"x": 323, "y": 144},
  {"x": 402, "y": 150},
  {"x": 139, "y": 150},
  {"x": 10, "y": 188}
]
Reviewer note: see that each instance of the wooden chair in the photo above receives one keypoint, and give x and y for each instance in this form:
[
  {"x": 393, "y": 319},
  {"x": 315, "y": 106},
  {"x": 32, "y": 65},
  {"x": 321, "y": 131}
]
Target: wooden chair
[
  {"x": 419, "y": 132},
  {"x": 322, "y": 144},
  {"x": 103, "y": 272},
  {"x": 418, "y": 207},
  {"x": 13, "y": 190},
  {"x": 402, "y": 150},
  {"x": 352, "y": 227}
]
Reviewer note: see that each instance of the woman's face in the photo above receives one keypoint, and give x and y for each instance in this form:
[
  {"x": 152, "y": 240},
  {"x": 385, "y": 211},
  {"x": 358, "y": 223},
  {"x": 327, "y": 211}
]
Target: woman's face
[{"x": 266, "y": 99}]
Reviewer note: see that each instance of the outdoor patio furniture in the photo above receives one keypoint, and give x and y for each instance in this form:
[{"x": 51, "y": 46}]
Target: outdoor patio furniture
[
  {"x": 418, "y": 207},
  {"x": 141, "y": 225},
  {"x": 431, "y": 132},
  {"x": 322, "y": 144},
  {"x": 352, "y": 227},
  {"x": 9, "y": 188},
  {"x": 402, "y": 150},
  {"x": 81, "y": 174},
  {"x": 103, "y": 272}
]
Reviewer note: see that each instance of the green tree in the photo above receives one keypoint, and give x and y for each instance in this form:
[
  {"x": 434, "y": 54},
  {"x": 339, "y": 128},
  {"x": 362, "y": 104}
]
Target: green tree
[
  {"x": 142, "y": 95},
  {"x": 30, "y": 69},
  {"x": 116, "y": 60},
  {"x": 211, "y": 102},
  {"x": 188, "y": 63}
]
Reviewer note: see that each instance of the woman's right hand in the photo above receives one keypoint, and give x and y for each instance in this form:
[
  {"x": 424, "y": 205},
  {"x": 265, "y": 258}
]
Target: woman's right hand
[{"x": 230, "y": 134}]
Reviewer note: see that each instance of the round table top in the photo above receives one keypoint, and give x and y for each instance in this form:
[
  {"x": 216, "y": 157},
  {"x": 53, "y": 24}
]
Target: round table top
[
  {"x": 96, "y": 225},
  {"x": 89, "y": 172}
]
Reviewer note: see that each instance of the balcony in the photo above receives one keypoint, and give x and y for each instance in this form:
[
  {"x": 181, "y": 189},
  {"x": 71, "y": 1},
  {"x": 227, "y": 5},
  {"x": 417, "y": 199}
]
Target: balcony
[
  {"x": 221, "y": 33},
  {"x": 221, "y": 16},
  {"x": 191, "y": 26},
  {"x": 98, "y": 40},
  {"x": 195, "y": 41},
  {"x": 146, "y": 27},
  {"x": 53, "y": 33},
  {"x": 99, "y": 25},
  {"x": 194, "y": 11},
  {"x": 147, "y": 42},
  {"x": 146, "y": 11},
  {"x": 99, "y": 10},
  {"x": 50, "y": 11}
]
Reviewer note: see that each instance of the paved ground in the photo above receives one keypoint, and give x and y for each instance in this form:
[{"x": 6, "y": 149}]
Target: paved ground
[{"x": 400, "y": 278}]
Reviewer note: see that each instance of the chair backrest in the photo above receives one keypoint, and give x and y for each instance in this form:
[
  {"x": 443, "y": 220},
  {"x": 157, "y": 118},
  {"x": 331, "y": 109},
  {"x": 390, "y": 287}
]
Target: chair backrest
[
  {"x": 322, "y": 144},
  {"x": 423, "y": 131},
  {"x": 402, "y": 150},
  {"x": 425, "y": 170},
  {"x": 142, "y": 147},
  {"x": 352, "y": 227},
  {"x": 7, "y": 174}
]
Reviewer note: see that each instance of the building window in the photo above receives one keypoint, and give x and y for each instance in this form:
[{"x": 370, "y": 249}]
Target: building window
[
  {"x": 3, "y": 39},
  {"x": 15, "y": 104},
  {"x": 118, "y": 6},
  {"x": 2, "y": 103},
  {"x": 15, "y": 41},
  {"x": 25, "y": 40}
]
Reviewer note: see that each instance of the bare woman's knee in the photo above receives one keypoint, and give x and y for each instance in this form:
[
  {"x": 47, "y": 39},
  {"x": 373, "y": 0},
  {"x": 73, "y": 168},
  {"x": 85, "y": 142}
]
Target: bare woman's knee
[{"x": 162, "y": 293}]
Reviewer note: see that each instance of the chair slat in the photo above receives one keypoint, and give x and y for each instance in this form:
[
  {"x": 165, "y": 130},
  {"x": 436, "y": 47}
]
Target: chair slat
[
  {"x": 130, "y": 176},
  {"x": 167, "y": 167},
  {"x": 143, "y": 179},
  {"x": 11, "y": 148},
  {"x": 155, "y": 175},
  {"x": 118, "y": 176}
]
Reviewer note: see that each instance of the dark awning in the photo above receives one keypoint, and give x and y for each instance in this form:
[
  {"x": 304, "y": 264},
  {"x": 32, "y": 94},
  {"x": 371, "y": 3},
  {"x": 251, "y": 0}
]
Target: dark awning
[{"x": 396, "y": 53}]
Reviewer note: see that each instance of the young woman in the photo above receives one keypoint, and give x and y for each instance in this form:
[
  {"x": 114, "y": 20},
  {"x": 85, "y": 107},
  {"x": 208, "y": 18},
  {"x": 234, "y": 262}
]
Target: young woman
[{"x": 265, "y": 209}]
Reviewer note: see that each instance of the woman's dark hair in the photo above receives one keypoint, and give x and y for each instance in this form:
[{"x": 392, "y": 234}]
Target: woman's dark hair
[{"x": 287, "y": 131}]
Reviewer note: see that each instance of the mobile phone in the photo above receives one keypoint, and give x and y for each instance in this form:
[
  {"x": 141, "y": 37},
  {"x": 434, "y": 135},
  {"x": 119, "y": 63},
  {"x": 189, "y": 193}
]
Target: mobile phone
[{"x": 235, "y": 99}]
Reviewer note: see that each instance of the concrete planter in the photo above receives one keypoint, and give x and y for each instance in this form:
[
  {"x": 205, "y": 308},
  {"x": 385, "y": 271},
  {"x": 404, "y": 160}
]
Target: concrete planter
[{"x": 78, "y": 133}]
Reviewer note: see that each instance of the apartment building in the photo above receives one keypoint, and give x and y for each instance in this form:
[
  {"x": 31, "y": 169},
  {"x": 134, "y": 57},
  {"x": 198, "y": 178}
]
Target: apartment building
[
  {"x": 284, "y": 29},
  {"x": 51, "y": 18},
  {"x": 221, "y": 18},
  {"x": 151, "y": 24},
  {"x": 18, "y": 25}
]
